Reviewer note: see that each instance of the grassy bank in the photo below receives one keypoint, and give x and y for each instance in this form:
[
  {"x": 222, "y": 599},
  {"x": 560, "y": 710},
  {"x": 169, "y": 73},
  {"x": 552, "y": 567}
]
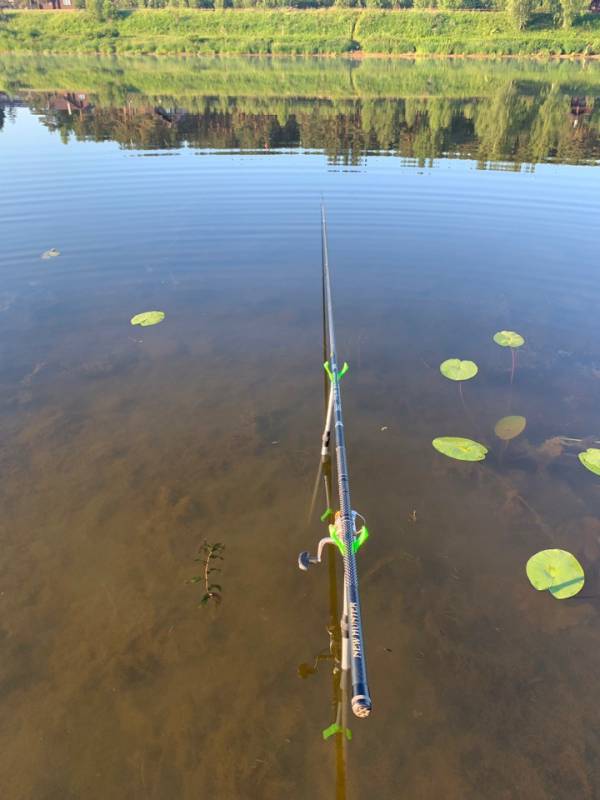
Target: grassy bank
[{"x": 327, "y": 31}]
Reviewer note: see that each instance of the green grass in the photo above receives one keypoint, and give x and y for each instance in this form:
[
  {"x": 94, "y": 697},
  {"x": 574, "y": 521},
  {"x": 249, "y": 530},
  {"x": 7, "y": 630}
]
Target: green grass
[{"x": 325, "y": 31}]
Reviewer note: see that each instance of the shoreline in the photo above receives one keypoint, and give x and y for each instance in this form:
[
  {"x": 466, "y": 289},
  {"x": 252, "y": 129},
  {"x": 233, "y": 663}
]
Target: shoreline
[{"x": 356, "y": 55}]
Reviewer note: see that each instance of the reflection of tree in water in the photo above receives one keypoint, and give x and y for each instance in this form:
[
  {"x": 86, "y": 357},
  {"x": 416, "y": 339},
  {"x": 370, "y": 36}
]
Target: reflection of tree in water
[
  {"x": 517, "y": 123},
  {"x": 1, "y": 117}
]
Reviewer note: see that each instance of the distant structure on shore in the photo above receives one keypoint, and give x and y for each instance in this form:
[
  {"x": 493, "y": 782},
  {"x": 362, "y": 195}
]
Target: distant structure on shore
[
  {"x": 41, "y": 5},
  {"x": 70, "y": 5}
]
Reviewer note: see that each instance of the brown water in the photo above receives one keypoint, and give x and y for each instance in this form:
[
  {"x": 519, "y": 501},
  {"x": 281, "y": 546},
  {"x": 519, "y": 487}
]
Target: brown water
[{"x": 123, "y": 449}]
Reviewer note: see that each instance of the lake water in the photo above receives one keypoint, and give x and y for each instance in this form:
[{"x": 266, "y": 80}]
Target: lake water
[{"x": 463, "y": 199}]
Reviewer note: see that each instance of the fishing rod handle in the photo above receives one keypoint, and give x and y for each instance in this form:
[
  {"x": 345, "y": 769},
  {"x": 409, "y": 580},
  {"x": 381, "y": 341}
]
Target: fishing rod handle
[{"x": 361, "y": 699}]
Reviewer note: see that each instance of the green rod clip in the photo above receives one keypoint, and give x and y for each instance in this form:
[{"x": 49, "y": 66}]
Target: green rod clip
[
  {"x": 337, "y": 728},
  {"x": 360, "y": 537},
  {"x": 341, "y": 372}
]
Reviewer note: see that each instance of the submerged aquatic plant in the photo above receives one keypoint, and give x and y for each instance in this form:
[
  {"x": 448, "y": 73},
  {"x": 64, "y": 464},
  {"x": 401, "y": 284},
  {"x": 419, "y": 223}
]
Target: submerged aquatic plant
[
  {"x": 513, "y": 340},
  {"x": 590, "y": 459},
  {"x": 457, "y": 370},
  {"x": 510, "y": 427},
  {"x": 558, "y": 571},
  {"x": 459, "y": 448},
  {"x": 209, "y": 553},
  {"x": 147, "y": 318}
]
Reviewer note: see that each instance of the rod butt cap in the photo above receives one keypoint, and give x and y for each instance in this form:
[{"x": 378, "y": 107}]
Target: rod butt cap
[{"x": 361, "y": 706}]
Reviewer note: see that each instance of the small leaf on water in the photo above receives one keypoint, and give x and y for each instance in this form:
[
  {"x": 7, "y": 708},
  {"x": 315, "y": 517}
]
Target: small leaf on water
[
  {"x": 461, "y": 449},
  {"x": 456, "y": 370},
  {"x": 509, "y": 339},
  {"x": 591, "y": 460},
  {"x": 556, "y": 570},
  {"x": 215, "y": 586},
  {"x": 509, "y": 427},
  {"x": 147, "y": 318},
  {"x": 195, "y": 579},
  {"x": 205, "y": 599},
  {"x": 52, "y": 253}
]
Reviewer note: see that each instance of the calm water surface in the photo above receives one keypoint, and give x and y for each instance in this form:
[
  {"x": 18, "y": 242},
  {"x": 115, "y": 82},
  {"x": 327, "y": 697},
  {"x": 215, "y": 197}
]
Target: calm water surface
[{"x": 463, "y": 199}]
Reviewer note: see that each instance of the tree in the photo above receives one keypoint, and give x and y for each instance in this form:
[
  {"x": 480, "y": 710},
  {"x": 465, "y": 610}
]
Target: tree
[
  {"x": 95, "y": 8},
  {"x": 520, "y": 12},
  {"x": 572, "y": 9}
]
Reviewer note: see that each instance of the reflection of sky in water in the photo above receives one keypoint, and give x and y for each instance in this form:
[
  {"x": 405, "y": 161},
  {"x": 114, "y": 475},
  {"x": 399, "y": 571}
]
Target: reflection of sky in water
[{"x": 121, "y": 455}]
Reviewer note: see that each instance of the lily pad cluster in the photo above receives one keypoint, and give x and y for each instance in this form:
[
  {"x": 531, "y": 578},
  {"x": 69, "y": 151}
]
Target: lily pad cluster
[
  {"x": 556, "y": 571},
  {"x": 456, "y": 369}
]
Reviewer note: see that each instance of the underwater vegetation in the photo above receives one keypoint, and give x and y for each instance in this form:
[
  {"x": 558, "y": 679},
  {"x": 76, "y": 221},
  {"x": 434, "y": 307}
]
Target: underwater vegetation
[{"x": 207, "y": 555}]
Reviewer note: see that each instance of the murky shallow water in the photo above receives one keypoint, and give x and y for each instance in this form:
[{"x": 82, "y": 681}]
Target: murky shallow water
[{"x": 123, "y": 449}]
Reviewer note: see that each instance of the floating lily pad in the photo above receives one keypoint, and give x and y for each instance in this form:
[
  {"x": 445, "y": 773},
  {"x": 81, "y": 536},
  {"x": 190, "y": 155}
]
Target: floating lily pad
[
  {"x": 509, "y": 339},
  {"x": 556, "y": 570},
  {"x": 461, "y": 449},
  {"x": 457, "y": 370},
  {"x": 53, "y": 253},
  {"x": 148, "y": 318},
  {"x": 591, "y": 460},
  {"x": 509, "y": 427}
]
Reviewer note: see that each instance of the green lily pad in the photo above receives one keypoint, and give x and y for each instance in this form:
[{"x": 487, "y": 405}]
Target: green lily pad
[
  {"x": 148, "y": 318},
  {"x": 53, "y": 253},
  {"x": 509, "y": 427},
  {"x": 509, "y": 339},
  {"x": 461, "y": 449},
  {"x": 457, "y": 370},
  {"x": 556, "y": 570},
  {"x": 591, "y": 460}
]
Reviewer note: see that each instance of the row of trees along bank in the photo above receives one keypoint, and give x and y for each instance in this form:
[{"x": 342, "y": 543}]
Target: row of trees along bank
[{"x": 523, "y": 13}]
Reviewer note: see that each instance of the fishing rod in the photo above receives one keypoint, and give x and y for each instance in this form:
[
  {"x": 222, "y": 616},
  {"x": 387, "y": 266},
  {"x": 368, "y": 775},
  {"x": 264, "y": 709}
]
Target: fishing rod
[
  {"x": 344, "y": 532},
  {"x": 337, "y": 652}
]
